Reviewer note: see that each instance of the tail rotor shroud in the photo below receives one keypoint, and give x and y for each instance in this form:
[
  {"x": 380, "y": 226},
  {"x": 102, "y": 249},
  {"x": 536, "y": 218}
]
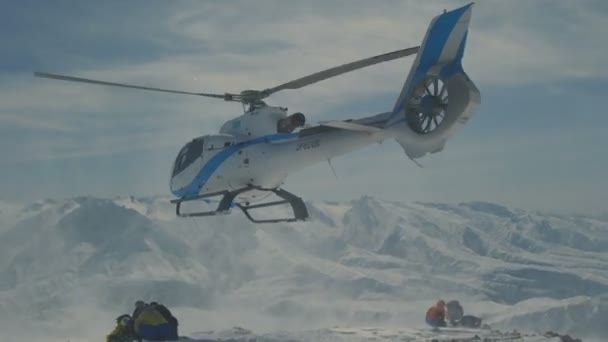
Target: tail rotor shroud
[{"x": 426, "y": 109}]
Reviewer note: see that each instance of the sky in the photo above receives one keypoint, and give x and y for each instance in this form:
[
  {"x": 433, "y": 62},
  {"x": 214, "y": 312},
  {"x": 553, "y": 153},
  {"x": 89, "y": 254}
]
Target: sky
[{"x": 536, "y": 142}]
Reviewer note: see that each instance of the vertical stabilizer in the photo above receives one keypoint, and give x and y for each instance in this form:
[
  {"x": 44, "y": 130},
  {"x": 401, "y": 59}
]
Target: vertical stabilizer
[{"x": 437, "y": 96}]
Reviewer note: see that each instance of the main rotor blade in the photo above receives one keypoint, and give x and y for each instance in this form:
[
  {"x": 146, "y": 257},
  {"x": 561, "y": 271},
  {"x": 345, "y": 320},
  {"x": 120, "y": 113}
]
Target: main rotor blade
[
  {"x": 86, "y": 80},
  {"x": 339, "y": 70}
]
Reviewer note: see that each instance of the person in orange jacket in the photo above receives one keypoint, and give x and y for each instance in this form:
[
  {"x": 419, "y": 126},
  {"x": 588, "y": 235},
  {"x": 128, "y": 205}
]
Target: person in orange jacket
[
  {"x": 150, "y": 325},
  {"x": 435, "y": 315}
]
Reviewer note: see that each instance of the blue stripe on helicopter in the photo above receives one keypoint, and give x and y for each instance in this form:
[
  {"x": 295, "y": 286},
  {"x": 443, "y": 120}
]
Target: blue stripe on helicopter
[
  {"x": 216, "y": 161},
  {"x": 433, "y": 47}
]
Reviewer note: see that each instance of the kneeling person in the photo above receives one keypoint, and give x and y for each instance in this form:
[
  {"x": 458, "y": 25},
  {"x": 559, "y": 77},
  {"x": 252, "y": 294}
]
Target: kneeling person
[
  {"x": 123, "y": 332},
  {"x": 435, "y": 315},
  {"x": 152, "y": 326},
  {"x": 454, "y": 312},
  {"x": 166, "y": 313}
]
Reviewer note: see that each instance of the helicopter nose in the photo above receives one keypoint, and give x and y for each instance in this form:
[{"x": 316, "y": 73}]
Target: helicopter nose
[{"x": 173, "y": 185}]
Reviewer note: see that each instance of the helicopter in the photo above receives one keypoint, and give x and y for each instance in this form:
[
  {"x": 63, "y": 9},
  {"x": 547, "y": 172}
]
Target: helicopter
[{"x": 251, "y": 156}]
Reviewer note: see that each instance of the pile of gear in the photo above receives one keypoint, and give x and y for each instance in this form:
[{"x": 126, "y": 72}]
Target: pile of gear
[
  {"x": 437, "y": 315},
  {"x": 562, "y": 338},
  {"x": 149, "y": 321}
]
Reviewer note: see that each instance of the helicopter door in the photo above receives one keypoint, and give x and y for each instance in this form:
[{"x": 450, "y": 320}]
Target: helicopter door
[
  {"x": 242, "y": 171},
  {"x": 235, "y": 174}
]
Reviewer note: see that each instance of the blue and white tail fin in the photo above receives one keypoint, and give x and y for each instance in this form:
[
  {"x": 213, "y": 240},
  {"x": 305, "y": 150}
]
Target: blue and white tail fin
[{"x": 438, "y": 96}]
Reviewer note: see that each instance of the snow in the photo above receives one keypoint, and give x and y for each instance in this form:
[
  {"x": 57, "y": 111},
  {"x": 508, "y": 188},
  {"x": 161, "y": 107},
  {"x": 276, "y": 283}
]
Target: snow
[
  {"x": 367, "y": 262},
  {"x": 336, "y": 334}
]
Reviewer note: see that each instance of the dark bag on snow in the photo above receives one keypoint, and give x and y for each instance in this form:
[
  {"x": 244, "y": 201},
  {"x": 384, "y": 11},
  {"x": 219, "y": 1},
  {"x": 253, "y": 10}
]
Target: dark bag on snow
[{"x": 470, "y": 321}]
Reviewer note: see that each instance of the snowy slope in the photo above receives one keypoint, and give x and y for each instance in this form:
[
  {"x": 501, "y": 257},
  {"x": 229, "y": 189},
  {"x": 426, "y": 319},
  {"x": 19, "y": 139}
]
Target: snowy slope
[
  {"x": 363, "y": 262},
  {"x": 337, "y": 334}
]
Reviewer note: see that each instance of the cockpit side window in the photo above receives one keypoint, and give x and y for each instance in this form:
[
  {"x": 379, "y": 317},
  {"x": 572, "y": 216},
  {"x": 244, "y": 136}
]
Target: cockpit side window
[{"x": 188, "y": 155}]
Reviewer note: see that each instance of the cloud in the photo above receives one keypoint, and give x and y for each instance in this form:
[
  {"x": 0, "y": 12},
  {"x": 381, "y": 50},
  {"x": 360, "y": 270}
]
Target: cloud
[
  {"x": 238, "y": 45},
  {"x": 62, "y": 148},
  {"x": 515, "y": 48},
  {"x": 33, "y": 123},
  {"x": 26, "y": 94},
  {"x": 504, "y": 45}
]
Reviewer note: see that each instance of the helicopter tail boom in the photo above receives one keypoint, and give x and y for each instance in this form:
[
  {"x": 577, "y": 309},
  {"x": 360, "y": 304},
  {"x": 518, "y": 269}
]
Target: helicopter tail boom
[{"x": 438, "y": 96}]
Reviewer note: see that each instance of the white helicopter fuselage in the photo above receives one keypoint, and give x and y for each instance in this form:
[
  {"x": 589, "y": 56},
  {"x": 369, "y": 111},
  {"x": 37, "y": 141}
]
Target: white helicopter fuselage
[
  {"x": 259, "y": 149},
  {"x": 251, "y": 152}
]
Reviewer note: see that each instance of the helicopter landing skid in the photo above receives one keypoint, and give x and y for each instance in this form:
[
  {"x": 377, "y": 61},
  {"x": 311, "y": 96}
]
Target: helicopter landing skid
[{"x": 300, "y": 213}]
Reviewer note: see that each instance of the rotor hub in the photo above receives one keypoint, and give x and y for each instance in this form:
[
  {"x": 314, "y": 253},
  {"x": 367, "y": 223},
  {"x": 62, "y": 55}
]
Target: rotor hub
[
  {"x": 251, "y": 94},
  {"x": 431, "y": 105}
]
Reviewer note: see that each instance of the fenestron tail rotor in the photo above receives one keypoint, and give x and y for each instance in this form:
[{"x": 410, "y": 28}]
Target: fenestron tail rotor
[
  {"x": 253, "y": 97},
  {"x": 426, "y": 108}
]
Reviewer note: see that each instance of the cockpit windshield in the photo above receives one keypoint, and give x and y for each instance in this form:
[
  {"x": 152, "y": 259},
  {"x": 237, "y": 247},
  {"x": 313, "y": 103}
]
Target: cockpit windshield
[{"x": 187, "y": 155}]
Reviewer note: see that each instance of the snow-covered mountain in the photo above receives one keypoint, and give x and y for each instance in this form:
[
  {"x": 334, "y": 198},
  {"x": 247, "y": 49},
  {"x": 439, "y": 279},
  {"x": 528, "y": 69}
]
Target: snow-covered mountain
[{"x": 78, "y": 263}]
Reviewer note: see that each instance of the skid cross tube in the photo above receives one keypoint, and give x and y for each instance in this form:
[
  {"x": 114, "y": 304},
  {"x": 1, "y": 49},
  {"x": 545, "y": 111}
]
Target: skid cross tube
[
  {"x": 223, "y": 207},
  {"x": 300, "y": 213}
]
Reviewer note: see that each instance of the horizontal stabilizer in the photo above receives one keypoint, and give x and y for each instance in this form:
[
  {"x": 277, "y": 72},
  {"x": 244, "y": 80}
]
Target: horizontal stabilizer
[{"x": 351, "y": 126}]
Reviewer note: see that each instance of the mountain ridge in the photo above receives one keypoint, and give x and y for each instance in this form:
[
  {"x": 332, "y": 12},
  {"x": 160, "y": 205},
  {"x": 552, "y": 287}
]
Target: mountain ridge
[{"x": 353, "y": 260}]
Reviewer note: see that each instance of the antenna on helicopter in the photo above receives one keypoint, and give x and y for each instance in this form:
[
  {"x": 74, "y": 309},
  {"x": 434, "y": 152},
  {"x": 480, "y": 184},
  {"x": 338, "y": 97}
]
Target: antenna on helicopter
[
  {"x": 252, "y": 99},
  {"x": 416, "y": 162},
  {"x": 332, "y": 168}
]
